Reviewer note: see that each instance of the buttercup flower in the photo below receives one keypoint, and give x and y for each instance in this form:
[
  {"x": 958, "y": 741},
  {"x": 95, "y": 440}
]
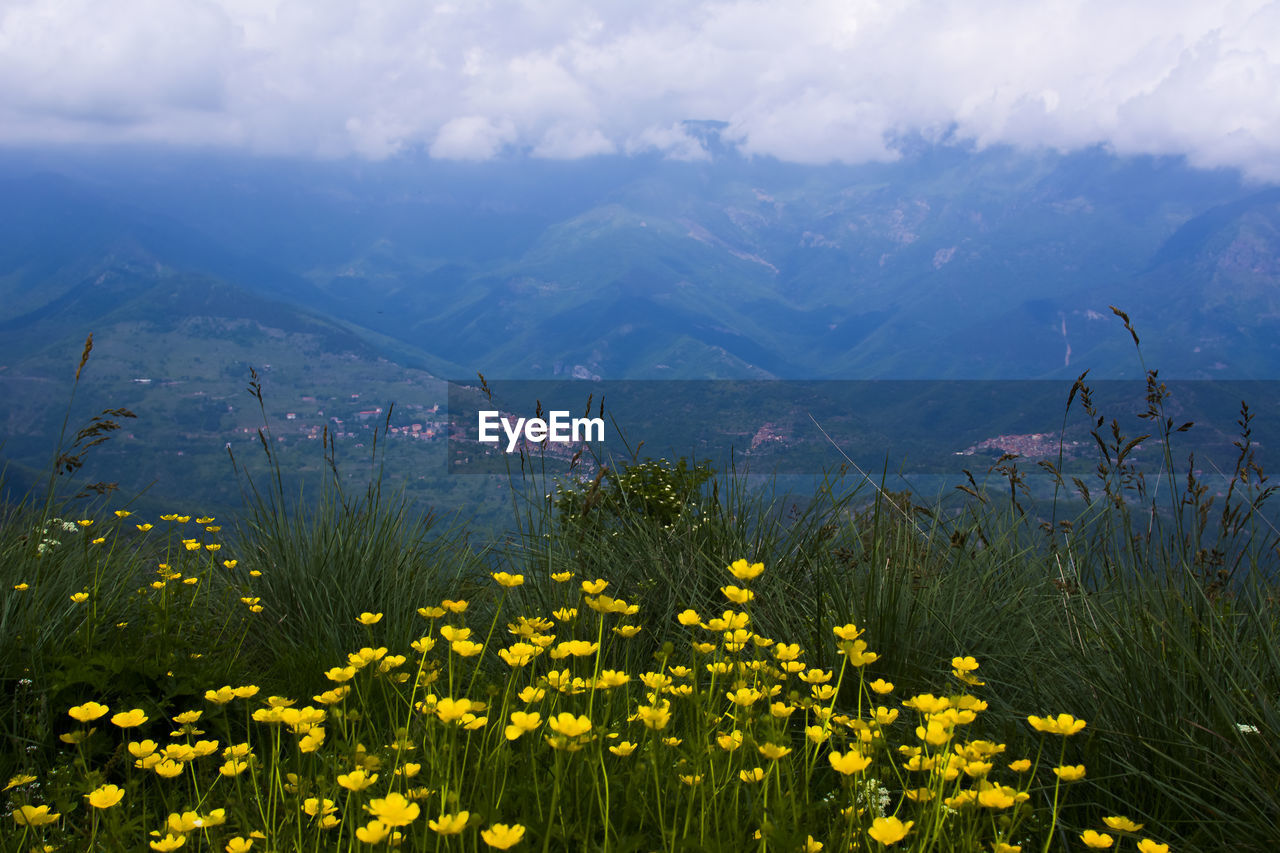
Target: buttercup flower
[
  {"x": 88, "y": 712},
  {"x": 394, "y": 810},
  {"x": 105, "y": 796},
  {"x": 889, "y": 830},
  {"x": 375, "y": 832},
  {"x": 1070, "y": 773},
  {"x": 129, "y": 719},
  {"x": 743, "y": 571},
  {"x": 450, "y": 824},
  {"x": 34, "y": 816},
  {"x": 1063, "y": 724},
  {"x": 502, "y": 837},
  {"x": 849, "y": 762},
  {"x": 1097, "y": 840}
]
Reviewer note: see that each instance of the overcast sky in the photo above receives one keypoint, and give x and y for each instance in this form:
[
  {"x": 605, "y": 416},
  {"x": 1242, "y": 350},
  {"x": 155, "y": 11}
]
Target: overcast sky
[{"x": 802, "y": 81}]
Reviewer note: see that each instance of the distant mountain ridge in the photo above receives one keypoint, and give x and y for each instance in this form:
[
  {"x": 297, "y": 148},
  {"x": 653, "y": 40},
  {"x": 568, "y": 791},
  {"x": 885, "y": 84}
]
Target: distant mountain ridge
[{"x": 948, "y": 263}]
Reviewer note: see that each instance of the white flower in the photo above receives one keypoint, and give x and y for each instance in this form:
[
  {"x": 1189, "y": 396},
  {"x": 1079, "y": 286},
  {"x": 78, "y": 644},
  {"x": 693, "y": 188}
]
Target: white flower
[{"x": 1246, "y": 729}]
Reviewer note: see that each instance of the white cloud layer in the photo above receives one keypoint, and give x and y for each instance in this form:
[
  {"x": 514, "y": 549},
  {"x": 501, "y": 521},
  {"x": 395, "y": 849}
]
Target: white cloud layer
[{"x": 821, "y": 81}]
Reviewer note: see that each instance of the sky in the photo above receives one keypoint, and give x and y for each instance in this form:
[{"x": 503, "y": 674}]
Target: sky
[{"x": 807, "y": 82}]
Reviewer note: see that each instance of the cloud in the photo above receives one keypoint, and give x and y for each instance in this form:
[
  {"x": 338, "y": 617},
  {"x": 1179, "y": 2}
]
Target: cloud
[
  {"x": 828, "y": 80},
  {"x": 472, "y": 138}
]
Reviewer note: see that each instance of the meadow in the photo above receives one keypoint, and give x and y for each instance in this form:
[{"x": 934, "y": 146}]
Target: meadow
[{"x": 661, "y": 659}]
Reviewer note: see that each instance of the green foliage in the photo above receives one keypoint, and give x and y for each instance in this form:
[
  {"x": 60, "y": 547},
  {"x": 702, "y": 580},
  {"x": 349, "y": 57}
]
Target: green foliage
[{"x": 1150, "y": 613}]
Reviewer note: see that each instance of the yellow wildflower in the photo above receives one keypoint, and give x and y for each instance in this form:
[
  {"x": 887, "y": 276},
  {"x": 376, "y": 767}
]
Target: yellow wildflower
[{"x": 500, "y": 836}]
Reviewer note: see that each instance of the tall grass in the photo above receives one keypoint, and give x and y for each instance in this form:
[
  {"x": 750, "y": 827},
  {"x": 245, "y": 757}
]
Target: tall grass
[{"x": 1150, "y": 613}]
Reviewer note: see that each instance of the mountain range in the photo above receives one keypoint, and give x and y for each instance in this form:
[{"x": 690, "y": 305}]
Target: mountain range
[{"x": 376, "y": 279}]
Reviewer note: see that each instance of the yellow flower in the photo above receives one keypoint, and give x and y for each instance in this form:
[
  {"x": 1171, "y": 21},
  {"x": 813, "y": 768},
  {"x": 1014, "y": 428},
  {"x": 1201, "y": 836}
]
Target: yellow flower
[
  {"x": 221, "y": 696},
  {"x": 1070, "y": 773},
  {"x": 737, "y": 595},
  {"x": 239, "y": 844},
  {"x": 341, "y": 673},
  {"x": 22, "y": 587},
  {"x": 85, "y": 522},
  {"x": 88, "y": 712},
  {"x": 123, "y": 513},
  {"x": 466, "y": 648},
  {"x": 816, "y": 676},
  {"x": 594, "y": 587},
  {"x": 522, "y": 722},
  {"x": 773, "y": 751},
  {"x": 129, "y": 719},
  {"x": 743, "y": 571},
  {"x": 79, "y": 597},
  {"x": 454, "y": 606},
  {"x": 168, "y": 843},
  {"x": 502, "y": 837},
  {"x": 393, "y": 810},
  {"x": 623, "y": 749},
  {"x": 213, "y": 547},
  {"x": 531, "y": 694},
  {"x": 751, "y": 776},
  {"x": 568, "y": 725},
  {"x": 507, "y": 579},
  {"x": 691, "y": 780},
  {"x": 375, "y": 832},
  {"x": 168, "y": 768},
  {"x": 729, "y": 741},
  {"x": 208, "y": 519},
  {"x": 450, "y": 824},
  {"x": 1097, "y": 840},
  {"x": 232, "y": 767},
  {"x": 368, "y": 618},
  {"x": 187, "y": 717},
  {"x": 357, "y": 780},
  {"x": 104, "y": 796},
  {"x": 144, "y": 527},
  {"x": 561, "y": 577},
  {"x": 20, "y": 780},
  {"x": 1146, "y": 845},
  {"x": 626, "y": 631},
  {"x": 889, "y": 830},
  {"x": 1123, "y": 824},
  {"x": 847, "y": 631},
  {"x": 689, "y": 617},
  {"x": 1063, "y": 724},
  {"x": 997, "y": 797},
  {"x": 781, "y": 710},
  {"x": 744, "y": 696},
  {"x": 231, "y": 564},
  {"x": 811, "y": 845},
  {"x": 849, "y": 762},
  {"x": 655, "y": 716},
  {"x": 34, "y": 816},
  {"x": 1022, "y": 765},
  {"x": 141, "y": 749}
]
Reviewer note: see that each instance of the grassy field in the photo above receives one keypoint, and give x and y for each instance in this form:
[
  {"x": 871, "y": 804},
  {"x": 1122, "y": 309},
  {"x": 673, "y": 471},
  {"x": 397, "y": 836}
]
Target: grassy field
[{"x": 664, "y": 659}]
